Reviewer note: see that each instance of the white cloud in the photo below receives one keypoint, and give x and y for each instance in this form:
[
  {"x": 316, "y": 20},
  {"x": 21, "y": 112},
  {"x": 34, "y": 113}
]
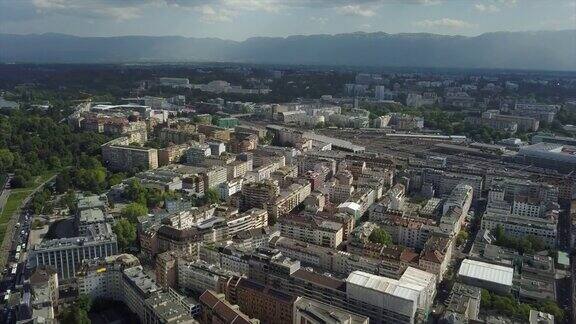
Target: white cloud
[
  {"x": 355, "y": 10},
  {"x": 211, "y": 15},
  {"x": 319, "y": 20},
  {"x": 486, "y": 7},
  {"x": 49, "y": 4},
  {"x": 509, "y": 3},
  {"x": 448, "y": 23},
  {"x": 92, "y": 9},
  {"x": 209, "y": 10}
]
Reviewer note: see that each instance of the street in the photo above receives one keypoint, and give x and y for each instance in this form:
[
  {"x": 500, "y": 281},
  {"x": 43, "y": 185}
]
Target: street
[{"x": 14, "y": 270}]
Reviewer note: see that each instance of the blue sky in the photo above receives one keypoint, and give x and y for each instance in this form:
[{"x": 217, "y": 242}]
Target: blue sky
[{"x": 241, "y": 19}]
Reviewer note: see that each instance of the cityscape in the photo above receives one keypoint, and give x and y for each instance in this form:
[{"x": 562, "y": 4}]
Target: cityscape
[{"x": 216, "y": 191}]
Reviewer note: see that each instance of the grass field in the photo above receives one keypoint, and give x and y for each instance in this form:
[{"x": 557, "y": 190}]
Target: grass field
[
  {"x": 12, "y": 204},
  {"x": 16, "y": 198}
]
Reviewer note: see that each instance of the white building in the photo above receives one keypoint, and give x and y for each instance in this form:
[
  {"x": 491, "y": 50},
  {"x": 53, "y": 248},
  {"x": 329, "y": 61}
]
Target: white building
[
  {"x": 493, "y": 277},
  {"x": 229, "y": 188},
  {"x": 312, "y": 230},
  {"x": 521, "y": 226},
  {"x": 390, "y": 299}
]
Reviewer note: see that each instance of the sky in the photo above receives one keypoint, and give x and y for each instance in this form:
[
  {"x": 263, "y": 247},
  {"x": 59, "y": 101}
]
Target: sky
[{"x": 241, "y": 19}]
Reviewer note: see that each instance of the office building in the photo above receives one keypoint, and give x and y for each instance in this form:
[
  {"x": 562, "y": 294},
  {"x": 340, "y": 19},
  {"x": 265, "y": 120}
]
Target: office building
[{"x": 66, "y": 254}]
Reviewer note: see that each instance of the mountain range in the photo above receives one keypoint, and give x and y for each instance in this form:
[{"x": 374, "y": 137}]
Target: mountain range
[{"x": 542, "y": 50}]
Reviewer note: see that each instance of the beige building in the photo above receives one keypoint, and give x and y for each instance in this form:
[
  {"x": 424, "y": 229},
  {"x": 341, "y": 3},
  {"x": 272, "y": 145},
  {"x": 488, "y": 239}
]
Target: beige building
[
  {"x": 171, "y": 154},
  {"x": 312, "y": 230},
  {"x": 119, "y": 156},
  {"x": 289, "y": 198}
]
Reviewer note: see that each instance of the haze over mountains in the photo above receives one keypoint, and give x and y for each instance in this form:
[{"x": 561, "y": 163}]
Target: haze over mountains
[{"x": 543, "y": 50}]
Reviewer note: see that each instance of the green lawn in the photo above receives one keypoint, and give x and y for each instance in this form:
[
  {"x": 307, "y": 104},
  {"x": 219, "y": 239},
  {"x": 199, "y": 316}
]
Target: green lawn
[
  {"x": 12, "y": 204},
  {"x": 16, "y": 198},
  {"x": 37, "y": 181}
]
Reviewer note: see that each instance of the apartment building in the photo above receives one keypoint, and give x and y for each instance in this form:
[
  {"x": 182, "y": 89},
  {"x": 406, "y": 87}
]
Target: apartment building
[
  {"x": 312, "y": 230},
  {"x": 198, "y": 276},
  {"x": 258, "y": 194},
  {"x": 120, "y": 157},
  {"x": 444, "y": 182},
  {"x": 229, "y": 188},
  {"x": 214, "y": 177},
  {"x": 376, "y": 297},
  {"x": 521, "y": 226},
  {"x": 289, "y": 198},
  {"x": 390, "y": 262},
  {"x": 121, "y": 278},
  {"x": 181, "y": 134},
  {"x": 311, "y": 311},
  {"x": 197, "y": 153},
  {"x": 263, "y": 302},
  {"x": 216, "y": 310},
  {"x": 172, "y": 154}
]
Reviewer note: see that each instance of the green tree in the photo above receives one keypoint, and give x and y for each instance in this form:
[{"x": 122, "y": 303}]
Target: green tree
[
  {"x": 6, "y": 160},
  {"x": 462, "y": 237},
  {"x": 380, "y": 236},
  {"x": 524, "y": 311},
  {"x": 125, "y": 233},
  {"x": 84, "y": 302},
  {"x": 116, "y": 178},
  {"x": 485, "y": 299},
  {"x": 551, "y": 307},
  {"x": 133, "y": 211},
  {"x": 211, "y": 196},
  {"x": 78, "y": 314},
  {"x": 54, "y": 162},
  {"x": 135, "y": 192},
  {"x": 37, "y": 224}
]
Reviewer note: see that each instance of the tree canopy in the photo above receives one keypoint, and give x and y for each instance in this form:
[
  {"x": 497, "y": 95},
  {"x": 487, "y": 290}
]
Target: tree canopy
[
  {"x": 125, "y": 233},
  {"x": 133, "y": 211},
  {"x": 380, "y": 236}
]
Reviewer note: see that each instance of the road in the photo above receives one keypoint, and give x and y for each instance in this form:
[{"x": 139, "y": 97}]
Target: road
[
  {"x": 5, "y": 192},
  {"x": 20, "y": 234}
]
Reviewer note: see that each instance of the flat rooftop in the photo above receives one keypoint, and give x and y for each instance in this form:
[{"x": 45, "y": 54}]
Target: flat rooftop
[{"x": 486, "y": 272}]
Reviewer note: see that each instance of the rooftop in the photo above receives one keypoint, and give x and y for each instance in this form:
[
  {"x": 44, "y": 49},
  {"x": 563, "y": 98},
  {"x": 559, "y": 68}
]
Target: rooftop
[{"x": 486, "y": 272}]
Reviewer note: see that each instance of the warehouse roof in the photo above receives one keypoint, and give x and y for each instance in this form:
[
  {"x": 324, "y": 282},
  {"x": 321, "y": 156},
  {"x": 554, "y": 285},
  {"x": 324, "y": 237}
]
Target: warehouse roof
[{"x": 486, "y": 272}]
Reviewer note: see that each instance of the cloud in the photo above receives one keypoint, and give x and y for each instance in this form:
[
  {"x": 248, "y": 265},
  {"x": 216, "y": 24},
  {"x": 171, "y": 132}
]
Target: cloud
[
  {"x": 486, "y": 7},
  {"x": 508, "y": 3},
  {"x": 355, "y": 10},
  {"x": 319, "y": 20},
  {"x": 208, "y": 10},
  {"x": 211, "y": 15},
  {"x": 448, "y": 23},
  {"x": 108, "y": 9}
]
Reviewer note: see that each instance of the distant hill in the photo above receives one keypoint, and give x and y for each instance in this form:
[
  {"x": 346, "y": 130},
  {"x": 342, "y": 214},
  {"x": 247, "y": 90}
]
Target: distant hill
[{"x": 543, "y": 50}]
